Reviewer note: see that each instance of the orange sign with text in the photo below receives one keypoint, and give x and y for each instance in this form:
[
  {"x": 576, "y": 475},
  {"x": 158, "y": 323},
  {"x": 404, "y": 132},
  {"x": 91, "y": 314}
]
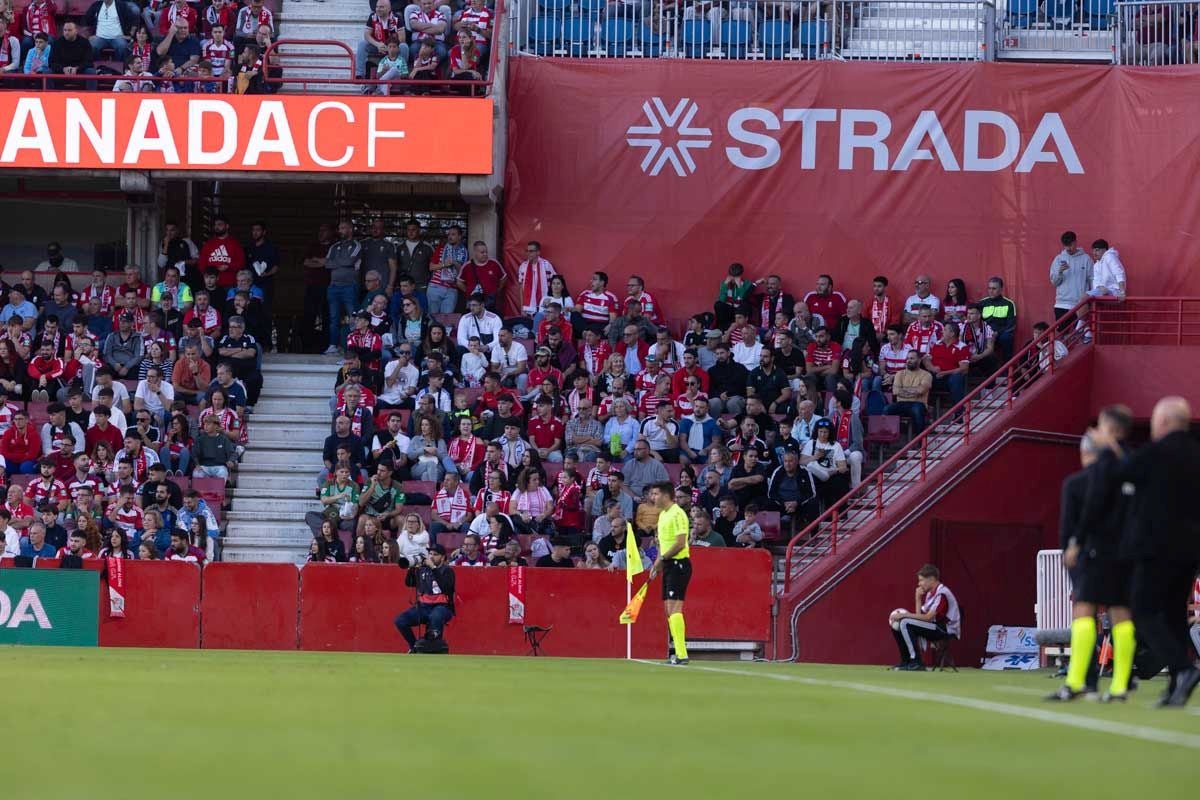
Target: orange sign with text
[{"x": 296, "y": 133}]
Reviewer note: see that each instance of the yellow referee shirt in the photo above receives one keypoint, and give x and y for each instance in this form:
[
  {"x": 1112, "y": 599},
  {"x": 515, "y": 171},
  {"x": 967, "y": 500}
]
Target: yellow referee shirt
[{"x": 673, "y": 523}]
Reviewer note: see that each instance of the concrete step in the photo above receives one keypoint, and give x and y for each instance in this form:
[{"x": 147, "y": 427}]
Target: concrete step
[
  {"x": 274, "y": 461},
  {"x": 298, "y": 420},
  {"x": 289, "y": 436},
  {"x": 281, "y": 452},
  {"x": 279, "y": 508},
  {"x": 265, "y": 555},
  {"x": 275, "y": 518},
  {"x": 281, "y": 490},
  {"x": 304, "y": 385},
  {"x": 252, "y": 474},
  {"x": 316, "y": 406}
]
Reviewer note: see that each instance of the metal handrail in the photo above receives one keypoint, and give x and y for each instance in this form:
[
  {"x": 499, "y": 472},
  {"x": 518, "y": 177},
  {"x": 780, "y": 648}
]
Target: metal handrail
[{"x": 1015, "y": 369}]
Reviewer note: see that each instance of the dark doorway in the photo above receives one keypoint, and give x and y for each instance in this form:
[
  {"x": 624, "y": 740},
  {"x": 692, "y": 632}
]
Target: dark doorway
[{"x": 991, "y": 570}]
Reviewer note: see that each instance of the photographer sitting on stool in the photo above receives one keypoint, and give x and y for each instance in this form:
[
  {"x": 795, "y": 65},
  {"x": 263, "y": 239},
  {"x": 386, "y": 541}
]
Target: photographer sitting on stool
[
  {"x": 936, "y": 617},
  {"x": 434, "y": 582}
]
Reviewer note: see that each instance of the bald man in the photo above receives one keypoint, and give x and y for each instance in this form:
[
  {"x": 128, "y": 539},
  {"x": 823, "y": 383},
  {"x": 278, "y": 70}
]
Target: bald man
[{"x": 1163, "y": 540}]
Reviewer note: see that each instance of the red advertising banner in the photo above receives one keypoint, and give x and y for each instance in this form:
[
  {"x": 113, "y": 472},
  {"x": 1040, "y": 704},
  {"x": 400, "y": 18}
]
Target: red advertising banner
[
  {"x": 675, "y": 169},
  {"x": 296, "y": 133}
]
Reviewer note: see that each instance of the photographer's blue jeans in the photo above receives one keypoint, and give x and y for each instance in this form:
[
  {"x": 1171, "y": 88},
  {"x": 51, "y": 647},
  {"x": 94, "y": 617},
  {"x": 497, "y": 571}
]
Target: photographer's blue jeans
[
  {"x": 433, "y": 617},
  {"x": 441, "y": 300}
]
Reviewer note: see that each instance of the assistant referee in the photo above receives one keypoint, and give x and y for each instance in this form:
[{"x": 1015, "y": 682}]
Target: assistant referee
[{"x": 675, "y": 565}]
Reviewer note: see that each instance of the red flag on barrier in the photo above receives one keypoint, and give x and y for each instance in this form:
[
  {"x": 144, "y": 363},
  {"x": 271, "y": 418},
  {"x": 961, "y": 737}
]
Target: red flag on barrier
[{"x": 116, "y": 587}]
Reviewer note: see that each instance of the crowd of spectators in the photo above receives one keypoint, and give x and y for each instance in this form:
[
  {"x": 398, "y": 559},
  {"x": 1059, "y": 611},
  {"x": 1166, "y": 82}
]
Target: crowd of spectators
[
  {"x": 225, "y": 45},
  {"x": 119, "y": 399},
  {"x": 547, "y": 426}
]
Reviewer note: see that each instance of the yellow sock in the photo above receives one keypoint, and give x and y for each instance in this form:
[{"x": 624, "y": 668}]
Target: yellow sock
[
  {"x": 675, "y": 623},
  {"x": 1083, "y": 650},
  {"x": 1124, "y": 644}
]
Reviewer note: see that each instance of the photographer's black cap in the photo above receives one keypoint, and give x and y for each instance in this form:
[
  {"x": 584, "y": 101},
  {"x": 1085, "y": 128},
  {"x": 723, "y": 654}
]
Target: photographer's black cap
[{"x": 440, "y": 549}]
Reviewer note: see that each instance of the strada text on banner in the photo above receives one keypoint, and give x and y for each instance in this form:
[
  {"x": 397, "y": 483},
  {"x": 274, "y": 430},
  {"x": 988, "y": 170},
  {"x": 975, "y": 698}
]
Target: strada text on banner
[
  {"x": 298, "y": 133},
  {"x": 672, "y": 169}
]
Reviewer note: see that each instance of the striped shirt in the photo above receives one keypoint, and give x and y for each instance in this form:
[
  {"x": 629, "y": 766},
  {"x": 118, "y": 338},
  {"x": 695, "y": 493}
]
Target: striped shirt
[
  {"x": 893, "y": 359},
  {"x": 452, "y": 508},
  {"x": 596, "y": 307}
]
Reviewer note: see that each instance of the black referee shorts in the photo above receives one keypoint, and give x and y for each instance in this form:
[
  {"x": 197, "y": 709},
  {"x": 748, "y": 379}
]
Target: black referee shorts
[
  {"x": 677, "y": 573},
  {"x": 1104, "y": 581}
]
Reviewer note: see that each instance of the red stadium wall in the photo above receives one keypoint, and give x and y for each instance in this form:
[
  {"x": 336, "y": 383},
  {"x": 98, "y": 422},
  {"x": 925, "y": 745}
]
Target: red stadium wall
[
  {"x": 985, "y": 531},
  {"x": 1085, "y": 155},
  {"x": 1160, "y": 371},
  {"x": 350, "y": 607}
]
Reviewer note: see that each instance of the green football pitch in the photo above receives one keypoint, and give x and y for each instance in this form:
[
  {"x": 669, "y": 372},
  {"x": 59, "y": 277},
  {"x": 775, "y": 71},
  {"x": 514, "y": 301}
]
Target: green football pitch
[{"x": 134, "y": 724}]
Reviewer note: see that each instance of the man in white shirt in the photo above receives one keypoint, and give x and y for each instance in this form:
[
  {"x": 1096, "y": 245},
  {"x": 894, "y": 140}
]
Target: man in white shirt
[
  {"x": 806, "y": 421},
  {"x": 510, "y": 359},
  {"x": 155, "y": 395},
  {"x": 923, "y": 298},
  {"x": 478, "y": 321},
  {"x": 1108, "y": 275},
  {"x": 747, "y": 351},
  {"x": 400, "y": 377},
  {"x": 534, "y": 274}
]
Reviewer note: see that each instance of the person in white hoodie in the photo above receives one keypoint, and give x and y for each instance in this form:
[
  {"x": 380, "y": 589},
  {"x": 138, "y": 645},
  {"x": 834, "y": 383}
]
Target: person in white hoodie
[{"x": 1108, "y": 276}]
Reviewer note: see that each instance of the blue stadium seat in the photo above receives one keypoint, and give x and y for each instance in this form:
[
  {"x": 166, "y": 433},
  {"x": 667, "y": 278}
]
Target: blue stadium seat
[
  {"x": 735, "y": 37},
  {"x": 697, "y": 37},
  {"x": 544, "y": 33},
  {"x": 618, "y": 35},
  {"x": 813, "y": 36},
  {"x": 553, "y": 5},
  {"x": 776, "y": 37},
  {"x": 1061, "y": 13},
  {"x": 651, "y": 42},
  {"x": 591, "y": 8},
  {"x": 1099, "y": 13},
  {"x": 1020, "y": 12},
  {"x": 577, "y": 35}
]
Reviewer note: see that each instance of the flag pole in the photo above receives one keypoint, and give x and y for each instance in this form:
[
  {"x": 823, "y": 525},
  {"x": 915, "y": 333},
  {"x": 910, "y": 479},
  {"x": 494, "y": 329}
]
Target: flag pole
[{"x": 628, "y": 628}]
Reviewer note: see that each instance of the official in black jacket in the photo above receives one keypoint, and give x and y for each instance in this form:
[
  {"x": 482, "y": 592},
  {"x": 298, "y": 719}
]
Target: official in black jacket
[
  {"x": 1162, "y": 482},
  {"x": 434, "y": 582}
]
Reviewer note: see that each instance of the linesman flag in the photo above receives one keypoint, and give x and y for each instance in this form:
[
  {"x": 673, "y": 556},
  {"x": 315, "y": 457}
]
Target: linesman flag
[
  {"x": 630, "y": 614},
  {"x": 633, "y": 558}
]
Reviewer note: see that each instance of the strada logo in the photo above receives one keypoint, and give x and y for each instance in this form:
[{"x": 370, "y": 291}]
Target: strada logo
[
  {"x": 991, "y": 141},
  {"x": 679, "y": 155},
  {"x": 28, "y": 609}
]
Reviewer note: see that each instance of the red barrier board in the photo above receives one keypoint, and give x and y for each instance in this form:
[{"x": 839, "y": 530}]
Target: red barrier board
[
  {"x": 730, "y": 595},
  {"x": 855, "y": 169},
  {"x": 162, "y": 607},
  {"x": 250, "y": 606}
]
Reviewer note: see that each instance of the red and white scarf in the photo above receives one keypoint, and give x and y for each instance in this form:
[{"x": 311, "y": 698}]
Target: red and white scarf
[
  {"x": 116, "y": 587},
  {"x": 843, "y": 429}
]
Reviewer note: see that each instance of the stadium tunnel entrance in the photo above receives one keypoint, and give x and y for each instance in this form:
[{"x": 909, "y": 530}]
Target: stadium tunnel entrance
[{"x": 110, "y": 219}]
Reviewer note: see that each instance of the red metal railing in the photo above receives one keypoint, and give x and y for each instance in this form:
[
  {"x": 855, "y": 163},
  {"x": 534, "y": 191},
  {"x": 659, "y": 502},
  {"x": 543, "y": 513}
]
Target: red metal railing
[
  {"x": 912, "y": 464},
  {"x": 340, "y": 69},
  {"x": 1162, "y": 321}
]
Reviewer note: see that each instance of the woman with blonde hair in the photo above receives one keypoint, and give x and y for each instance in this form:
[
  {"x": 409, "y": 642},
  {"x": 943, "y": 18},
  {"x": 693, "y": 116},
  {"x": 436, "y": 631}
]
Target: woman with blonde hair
[{"x": 412, "y": 544}]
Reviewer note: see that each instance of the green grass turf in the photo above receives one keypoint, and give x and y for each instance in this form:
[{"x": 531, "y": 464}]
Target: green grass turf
[{"x": 131, "y": 724}]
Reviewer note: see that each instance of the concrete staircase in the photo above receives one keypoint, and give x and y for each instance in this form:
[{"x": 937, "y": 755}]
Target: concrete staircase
[
  {"x": 915, "y": 31},
  {"x": 278, "y": 473},
  {"x": 336, "y": 20}
]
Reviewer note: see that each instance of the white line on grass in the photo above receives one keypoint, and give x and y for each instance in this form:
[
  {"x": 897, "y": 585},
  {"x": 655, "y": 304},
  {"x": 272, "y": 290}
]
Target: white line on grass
[
  {"x": 1144, "y": 732},
  {"x": 1021, "y": 690}
]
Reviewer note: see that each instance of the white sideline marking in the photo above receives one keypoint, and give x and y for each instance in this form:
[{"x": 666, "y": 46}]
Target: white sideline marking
[
  {"x": 1143, "y": 732},
  {"x": 1021, "y": 690}
]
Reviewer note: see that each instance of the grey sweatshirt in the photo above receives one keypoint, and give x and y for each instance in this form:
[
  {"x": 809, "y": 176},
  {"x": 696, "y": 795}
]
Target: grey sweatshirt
[{"x": 1073, "y": 283}]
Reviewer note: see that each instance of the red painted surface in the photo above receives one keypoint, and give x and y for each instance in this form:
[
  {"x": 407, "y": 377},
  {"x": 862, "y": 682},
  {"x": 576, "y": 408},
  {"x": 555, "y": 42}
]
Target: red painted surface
[
  {"x": 1159, "y": 371},
  {"x": 162, "y": 607},
  {"x": 250, "y": 606},
  {"x": 850, "y": 594}
]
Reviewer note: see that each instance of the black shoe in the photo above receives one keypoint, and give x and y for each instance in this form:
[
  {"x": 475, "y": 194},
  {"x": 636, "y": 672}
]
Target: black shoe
[
  {"x": 899, "y": 666},
  {"x": 913, "y": 666},
  {"x": 1066, "y": 694},
  {"x": 676, "y": 661},
  {"x": 1185, "y": 684},
  {"x": 1109, "y": 697},
  {"x": 1165, "y": 697}
]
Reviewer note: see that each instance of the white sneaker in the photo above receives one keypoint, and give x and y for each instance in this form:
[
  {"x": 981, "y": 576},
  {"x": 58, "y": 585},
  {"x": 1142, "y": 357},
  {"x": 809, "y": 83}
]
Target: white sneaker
[{"x": 332, "y": 350}]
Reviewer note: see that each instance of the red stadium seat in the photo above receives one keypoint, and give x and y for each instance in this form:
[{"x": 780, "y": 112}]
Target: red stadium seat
[
  {"x": 381, "y": 417},
  {"x": 769, "y": 522},
  {"x": 425, "y": 487},
  {"x": 673, "y": 471},
  {"x": 22, "y": 480},
  {"x": 212, "y": 490},
  {"x": 882, "y": 429},
  {"x": 182, "y": 481},
  {"x": 420, "y": 511}
]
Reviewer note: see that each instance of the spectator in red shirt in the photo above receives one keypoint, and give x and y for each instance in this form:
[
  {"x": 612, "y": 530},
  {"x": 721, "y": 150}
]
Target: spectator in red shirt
[
  {"x": 482, "y": 274},
  {"x": 949, "y": 361},
  {"x": 690, "y": 369},
  {"x": 223, "y": 253},
  {"x": 546, "y": 433},
  {"x": 553, "y": 320},
  {"x": 596, "y": 307},
  {"x": 46, "y": 371},
  {"x": 924, "y": 332},
  {"x": 636, "y": 293},
  {"x": 825, "y": 301},
  {"x": 823, "y": 364},
  {"x": 21, "y": 446}
]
